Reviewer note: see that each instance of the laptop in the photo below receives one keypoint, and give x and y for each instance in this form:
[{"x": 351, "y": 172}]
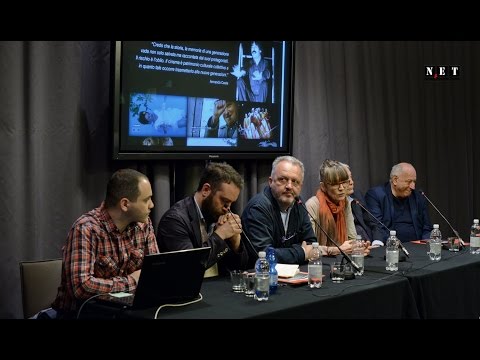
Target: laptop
[{"x": 166, "y": 278}]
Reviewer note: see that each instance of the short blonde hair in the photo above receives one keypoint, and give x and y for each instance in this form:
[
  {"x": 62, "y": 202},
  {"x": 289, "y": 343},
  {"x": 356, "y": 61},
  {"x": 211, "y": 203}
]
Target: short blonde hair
[{"x": 332, "y": 172}]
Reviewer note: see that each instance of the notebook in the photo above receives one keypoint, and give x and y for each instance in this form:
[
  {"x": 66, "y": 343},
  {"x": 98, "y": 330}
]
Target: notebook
[{"x": 169, "y": 277}]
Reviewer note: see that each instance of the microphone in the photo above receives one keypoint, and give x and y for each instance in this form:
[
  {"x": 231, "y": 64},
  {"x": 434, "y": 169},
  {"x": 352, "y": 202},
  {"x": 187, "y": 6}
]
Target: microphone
[
  {"x": 444, "y": 218},
  {"x": 244, "y": 234},
  {"x": 345, "y": 256},
  {"x": 378, "y": 221}
]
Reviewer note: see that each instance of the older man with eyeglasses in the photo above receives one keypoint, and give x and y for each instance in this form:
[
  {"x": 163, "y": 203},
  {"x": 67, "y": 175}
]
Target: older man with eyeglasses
[
  {"x": 399, "y": 206},
  {"x": 273, "y": 218}
]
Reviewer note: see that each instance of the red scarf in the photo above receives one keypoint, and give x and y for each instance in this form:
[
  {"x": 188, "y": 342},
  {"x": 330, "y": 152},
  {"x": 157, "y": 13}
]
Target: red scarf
[{"x": 332, "y": 218}]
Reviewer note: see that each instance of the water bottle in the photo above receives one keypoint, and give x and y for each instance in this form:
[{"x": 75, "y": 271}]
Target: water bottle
[
  {"x": 475, "y": 238},
  {"x": 391, "y": 254},
  {"x": 435, "y": 244},
  {"x": 358, "y": 256},
  {"x": 315, "y": 268},
  {"x": 272, "y": 262},
  {"x": 262, "y": 277}
]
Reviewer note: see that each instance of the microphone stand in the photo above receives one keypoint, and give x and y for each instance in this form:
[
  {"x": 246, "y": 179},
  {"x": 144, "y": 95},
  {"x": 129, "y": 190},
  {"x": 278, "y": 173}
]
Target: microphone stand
[
  {"x": 244, "y": 234},
  {"x": 378, "y": 220},
  {"x": 345, "y": 256},
  {"x": 444, "y": 218}
]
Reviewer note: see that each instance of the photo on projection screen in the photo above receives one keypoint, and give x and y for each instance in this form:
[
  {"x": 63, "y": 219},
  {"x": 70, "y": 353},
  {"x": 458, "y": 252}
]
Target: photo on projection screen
[{"x": 202, "y": 99}]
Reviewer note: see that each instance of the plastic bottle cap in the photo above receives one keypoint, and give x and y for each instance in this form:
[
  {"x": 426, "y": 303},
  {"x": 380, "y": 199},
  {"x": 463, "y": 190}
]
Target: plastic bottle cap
[
  {"x": 315, "y": 244},
  {"x": 475, "y": 221},
  {"x": 262, "y": 254},
  {"x": 393, "y": 232},
  {"x": 436, "y": 226},
  {"x": 359, "y": 237}
]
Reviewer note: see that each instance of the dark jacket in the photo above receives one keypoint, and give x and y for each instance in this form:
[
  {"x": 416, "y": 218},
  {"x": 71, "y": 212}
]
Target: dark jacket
[
  {"x": 179, "y": 229},
  {"x": 380, "y": 202},
  {"x": 262, "y": 222}
]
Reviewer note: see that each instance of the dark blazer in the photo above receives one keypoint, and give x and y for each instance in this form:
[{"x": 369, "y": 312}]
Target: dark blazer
[
  {"x": 179, "y": 229},
  {"x": 380, "y": 202},
  {"x": 360, "y": 216},
  {"x": 262, "y": 222}
]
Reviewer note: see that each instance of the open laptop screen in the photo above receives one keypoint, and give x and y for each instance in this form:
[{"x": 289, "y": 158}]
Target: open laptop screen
[{"x": 169, "y": 277}]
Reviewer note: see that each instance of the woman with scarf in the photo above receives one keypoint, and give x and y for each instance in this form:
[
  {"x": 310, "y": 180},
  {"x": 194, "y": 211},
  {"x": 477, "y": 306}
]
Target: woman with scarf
[{"x": 332, "y": 211}]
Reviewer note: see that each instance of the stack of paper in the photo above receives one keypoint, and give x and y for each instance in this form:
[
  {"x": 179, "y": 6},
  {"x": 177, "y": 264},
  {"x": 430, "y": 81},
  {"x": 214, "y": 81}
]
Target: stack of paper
[{"x": 287, "y": 270}]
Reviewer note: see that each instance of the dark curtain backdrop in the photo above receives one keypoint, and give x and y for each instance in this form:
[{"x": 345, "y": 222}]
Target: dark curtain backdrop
[{"x": 364, "y": 103}]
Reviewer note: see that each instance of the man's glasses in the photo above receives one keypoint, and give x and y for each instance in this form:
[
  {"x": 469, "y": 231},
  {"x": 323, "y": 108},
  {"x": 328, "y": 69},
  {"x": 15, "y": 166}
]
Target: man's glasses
[
  {"x": 284, "y": 181},
  {"x": 345, "y": 184}
]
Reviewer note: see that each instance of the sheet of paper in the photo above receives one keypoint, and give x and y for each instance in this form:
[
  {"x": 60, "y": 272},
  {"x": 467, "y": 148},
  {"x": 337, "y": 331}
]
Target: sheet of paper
[
  {"x": 120, "y": 294},
  {"x": 287, "y": 270}
]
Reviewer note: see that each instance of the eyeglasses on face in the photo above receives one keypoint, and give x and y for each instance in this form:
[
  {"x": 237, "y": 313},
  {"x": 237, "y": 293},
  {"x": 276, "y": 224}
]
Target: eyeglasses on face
[
  {"x": 345, "y": 184},
  {"x": 284, "y": 181}
]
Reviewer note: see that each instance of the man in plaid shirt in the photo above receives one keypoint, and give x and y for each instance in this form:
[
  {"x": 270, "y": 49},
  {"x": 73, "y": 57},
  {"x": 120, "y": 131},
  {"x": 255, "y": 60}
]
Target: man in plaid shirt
[{"x": 105, "y": 247}]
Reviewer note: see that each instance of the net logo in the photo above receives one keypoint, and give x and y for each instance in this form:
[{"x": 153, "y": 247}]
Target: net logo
[{"x": 442, "y": 72}]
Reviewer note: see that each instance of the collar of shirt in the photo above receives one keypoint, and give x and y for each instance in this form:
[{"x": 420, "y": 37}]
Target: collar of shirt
[
  {"x": 199, "y": 212},
  {"x": 210, "y": 227},
  {"x": 285, "y": 216},
  {"x": 102, "y": 214}
]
